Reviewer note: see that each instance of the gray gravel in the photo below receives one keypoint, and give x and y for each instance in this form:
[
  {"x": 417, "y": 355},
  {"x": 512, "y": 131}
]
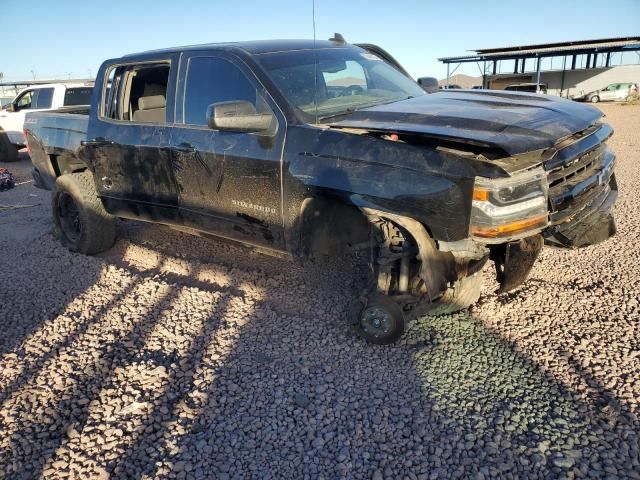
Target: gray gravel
[{"x": 177, "y": 357}]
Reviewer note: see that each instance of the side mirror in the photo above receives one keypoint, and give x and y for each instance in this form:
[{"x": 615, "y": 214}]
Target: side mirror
[
  {"x": 11, "y": 107},
  {"x": 238, "y": 116},
  {"x": 429, "y": 84}
]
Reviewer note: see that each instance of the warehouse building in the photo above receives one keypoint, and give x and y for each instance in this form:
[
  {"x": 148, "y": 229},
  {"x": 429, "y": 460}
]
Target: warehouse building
[{"x": 567, "y": 69}]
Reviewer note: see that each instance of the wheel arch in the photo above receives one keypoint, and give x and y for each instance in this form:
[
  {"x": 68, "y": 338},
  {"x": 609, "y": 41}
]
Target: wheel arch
[
  {"x": 437, "y": 269},
  {"x": 329, "y": 226}
]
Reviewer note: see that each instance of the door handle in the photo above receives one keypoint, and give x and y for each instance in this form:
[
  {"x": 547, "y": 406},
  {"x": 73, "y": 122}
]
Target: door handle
[
  {"x": 185, "y": 148},
  {"x": 96, "y": 142}
]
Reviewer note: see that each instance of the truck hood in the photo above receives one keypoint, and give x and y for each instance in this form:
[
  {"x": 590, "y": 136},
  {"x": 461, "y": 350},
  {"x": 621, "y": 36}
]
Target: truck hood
[{"x": 510, "y": 121}]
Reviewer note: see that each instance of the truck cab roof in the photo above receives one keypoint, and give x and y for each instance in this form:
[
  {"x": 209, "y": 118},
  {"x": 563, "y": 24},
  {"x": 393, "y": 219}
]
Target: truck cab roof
[{"x": 253, "y": 47}]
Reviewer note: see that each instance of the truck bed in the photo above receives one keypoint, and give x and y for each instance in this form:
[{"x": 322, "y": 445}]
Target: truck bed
[{"x": 53, "y": 138}]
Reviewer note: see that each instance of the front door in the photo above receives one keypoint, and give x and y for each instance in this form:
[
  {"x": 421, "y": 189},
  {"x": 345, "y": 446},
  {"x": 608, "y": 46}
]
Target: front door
[
  {"x": 128, "y": 144},
  {"x": 229, "y": 183}
]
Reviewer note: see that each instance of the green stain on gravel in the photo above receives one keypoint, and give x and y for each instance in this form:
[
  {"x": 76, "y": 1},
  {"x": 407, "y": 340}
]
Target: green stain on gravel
[{"x": 482, "y": 383}]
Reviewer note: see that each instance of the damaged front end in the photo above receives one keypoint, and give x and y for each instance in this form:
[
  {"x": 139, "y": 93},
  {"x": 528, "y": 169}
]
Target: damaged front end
[
  {"x": 564, "y": 200},
  {"x": 561, "y": 197},
  {"x": 582, "y": 190},
  {"x": 570, "y": 207}
]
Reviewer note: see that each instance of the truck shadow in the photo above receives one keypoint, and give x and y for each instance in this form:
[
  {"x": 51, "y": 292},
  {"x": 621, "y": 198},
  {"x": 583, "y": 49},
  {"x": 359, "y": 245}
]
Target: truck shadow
[
  {"x": 240, "y": 369},
  {"x": 458, "y": 397},
  {"x": 28, "y": 304}
]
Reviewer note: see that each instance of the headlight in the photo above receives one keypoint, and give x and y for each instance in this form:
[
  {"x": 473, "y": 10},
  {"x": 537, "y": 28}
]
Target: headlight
[{"x": 509, "y": 208}]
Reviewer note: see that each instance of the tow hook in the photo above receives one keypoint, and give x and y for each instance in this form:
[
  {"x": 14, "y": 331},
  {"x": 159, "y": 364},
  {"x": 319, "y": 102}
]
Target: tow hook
[{"x": 514, "y": 261}]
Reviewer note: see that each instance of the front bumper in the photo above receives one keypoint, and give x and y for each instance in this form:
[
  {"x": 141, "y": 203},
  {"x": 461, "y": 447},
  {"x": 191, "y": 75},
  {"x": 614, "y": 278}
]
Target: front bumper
[
  {"x": 582, "y": 191},
  {"x": 596, "y": 226}
]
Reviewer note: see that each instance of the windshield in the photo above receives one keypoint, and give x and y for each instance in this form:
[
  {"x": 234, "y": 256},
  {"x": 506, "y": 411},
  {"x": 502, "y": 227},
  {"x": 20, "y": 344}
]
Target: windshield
[{"x": 347, "y": 79}]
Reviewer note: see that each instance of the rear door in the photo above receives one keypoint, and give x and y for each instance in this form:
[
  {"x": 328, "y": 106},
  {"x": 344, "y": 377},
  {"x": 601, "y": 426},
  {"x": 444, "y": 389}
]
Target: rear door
[
  {"x": 609, "y": 93},
  {"x": 229, "y": 183},
  {"x": 622, "y": 92},
  {"x": 128, "y": 141}
]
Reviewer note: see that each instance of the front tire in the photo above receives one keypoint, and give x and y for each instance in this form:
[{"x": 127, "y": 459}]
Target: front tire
[
  {"x": 595, "y": 99},
  {"x": 380, "y": 320},
  {"x": 81, "y": 222}
]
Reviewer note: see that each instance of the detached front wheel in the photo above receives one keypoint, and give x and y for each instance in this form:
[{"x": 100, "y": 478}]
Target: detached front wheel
[
  {"x": 379, "y": 321},
  {"x": 81, "y": 222}
]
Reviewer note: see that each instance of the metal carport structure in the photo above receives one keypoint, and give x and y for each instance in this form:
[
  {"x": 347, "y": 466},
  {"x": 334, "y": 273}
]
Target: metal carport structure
[{"x": 600, "y": 50}]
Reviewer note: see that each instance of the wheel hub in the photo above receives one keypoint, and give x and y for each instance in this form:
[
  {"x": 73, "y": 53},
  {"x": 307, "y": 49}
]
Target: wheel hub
[
  {"x": 70, "y": 217},
  {"x": 376, "y": 321}
]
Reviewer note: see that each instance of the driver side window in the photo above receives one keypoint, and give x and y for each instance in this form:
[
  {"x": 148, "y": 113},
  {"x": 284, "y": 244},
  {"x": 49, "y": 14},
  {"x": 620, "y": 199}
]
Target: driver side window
[
  {"x": 213, "y": 80},
  {"x": 25, "y": 100}
]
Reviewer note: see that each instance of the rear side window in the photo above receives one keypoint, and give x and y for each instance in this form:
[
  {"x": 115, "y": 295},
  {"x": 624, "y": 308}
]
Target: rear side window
[
  {"x": 78, "y": 96},
  {"x": 42, "y": 98},
  {"x": 137, "y": 93},
  {"x": 212, "y": 80}
]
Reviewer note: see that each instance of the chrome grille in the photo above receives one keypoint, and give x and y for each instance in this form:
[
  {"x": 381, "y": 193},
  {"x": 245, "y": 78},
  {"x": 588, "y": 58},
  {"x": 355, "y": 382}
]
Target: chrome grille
[{"x": 579, "y": 174}]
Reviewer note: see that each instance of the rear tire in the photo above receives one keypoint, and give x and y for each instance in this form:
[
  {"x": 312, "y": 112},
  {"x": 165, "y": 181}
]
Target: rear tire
[
  {"x": 594, "y": 99},
  {"x": 8, "y": 151},
  {"x": 464, "y": 293},
  {"x": 81, "y": 222}
]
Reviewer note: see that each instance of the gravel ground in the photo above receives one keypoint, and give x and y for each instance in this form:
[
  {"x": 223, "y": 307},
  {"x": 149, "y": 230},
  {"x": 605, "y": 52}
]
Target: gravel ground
[{"x": 173, "y": 356}]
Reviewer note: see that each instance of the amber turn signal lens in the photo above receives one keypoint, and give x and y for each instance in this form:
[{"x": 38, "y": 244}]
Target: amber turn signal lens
[
  {"x": 481, "y": 195},
  {"x": 509, "y": 228}
]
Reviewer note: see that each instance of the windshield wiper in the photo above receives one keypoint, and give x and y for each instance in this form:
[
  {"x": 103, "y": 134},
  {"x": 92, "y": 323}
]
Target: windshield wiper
[
  {"x": 339, "y": 114},
  {"x": 397, "y": 100},
  {"x": 360, "y": 107}
]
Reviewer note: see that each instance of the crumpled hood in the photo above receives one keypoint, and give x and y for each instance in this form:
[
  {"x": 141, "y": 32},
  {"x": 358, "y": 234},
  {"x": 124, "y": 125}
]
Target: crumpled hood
[{"x": 512, "y": 121}]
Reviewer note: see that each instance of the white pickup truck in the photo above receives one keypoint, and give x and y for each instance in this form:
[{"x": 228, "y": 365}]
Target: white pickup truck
[{"x": 36, "y": 98}]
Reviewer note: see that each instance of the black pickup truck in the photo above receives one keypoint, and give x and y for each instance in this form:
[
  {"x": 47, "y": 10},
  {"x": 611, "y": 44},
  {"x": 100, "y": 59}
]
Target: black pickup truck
[{"x": 318, "y": 148}]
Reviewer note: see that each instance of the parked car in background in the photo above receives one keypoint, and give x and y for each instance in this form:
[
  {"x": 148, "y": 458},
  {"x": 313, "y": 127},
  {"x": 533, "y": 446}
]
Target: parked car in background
[
  {"x": 4, "y": 101},
  {"x": 528, "y": 87},
  {"x": 38, "y": 98},
  {"x": 450, "y": 86},
  {"x": 614, "y": 92}
]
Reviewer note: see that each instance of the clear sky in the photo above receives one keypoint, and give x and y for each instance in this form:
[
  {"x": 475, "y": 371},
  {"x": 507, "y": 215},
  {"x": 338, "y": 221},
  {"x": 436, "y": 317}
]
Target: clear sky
[{"x": 71, "y": 37}]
